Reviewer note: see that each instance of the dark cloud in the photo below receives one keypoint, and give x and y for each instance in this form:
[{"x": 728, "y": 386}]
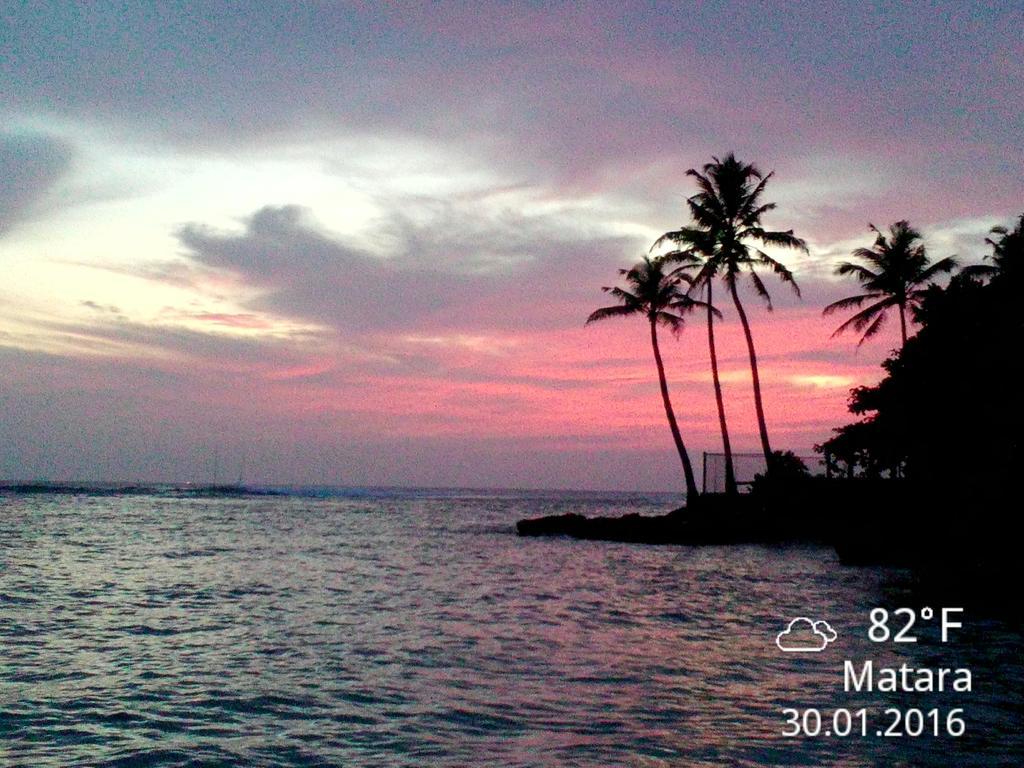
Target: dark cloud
[
  {"x": 309, "y": 274},
  {"x": 30, "y": 164},
  {"x": 582, "y": 97},
  {"x": 105, "y": 309},
  {"x": 447, "y": 266}
]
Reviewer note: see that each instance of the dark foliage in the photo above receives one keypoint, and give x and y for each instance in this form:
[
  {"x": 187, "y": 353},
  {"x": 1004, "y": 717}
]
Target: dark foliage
[
  {"x": 786, "y": 471},
  {"x": 948, "y": 412}
]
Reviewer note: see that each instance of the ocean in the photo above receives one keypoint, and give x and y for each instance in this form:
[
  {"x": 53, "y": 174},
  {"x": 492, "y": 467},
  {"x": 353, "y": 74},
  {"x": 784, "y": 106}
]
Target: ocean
[{"x": 390, "y": 627}]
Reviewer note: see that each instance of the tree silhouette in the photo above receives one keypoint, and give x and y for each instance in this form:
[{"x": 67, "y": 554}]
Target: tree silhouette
[
  {"x": 656, "y": 295},
  {"x": 917, "y": 423},
  {"x": 694, "y": 255},
  {"x": 897, "y": 273},
  {"x": 728, "y": 212},
  {"x": 1007, "y": 257}
]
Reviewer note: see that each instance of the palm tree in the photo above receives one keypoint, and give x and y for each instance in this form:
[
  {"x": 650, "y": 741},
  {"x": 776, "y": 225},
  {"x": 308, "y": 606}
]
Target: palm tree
[
  {"x": 728, "y": 212},
  {"x": 655, "y": 295},
  {"x": 897, "y": 272},
  {"x": 1007, "y": 253},
  {"x": 688, "y": 258}
]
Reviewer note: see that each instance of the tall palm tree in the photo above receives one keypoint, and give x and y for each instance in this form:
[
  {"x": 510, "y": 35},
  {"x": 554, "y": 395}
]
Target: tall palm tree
[
  {"x": 728, "y": 212},
  {"x": 896, "y": 273},
  {"x": 694, "y": 255},
  {"x": 655, "y": 295},
  {"x": 1007, "y": 257}
]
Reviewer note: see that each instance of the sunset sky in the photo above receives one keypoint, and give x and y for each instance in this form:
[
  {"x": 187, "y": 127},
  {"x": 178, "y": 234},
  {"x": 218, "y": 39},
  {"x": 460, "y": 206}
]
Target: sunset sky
[{"x": 344, "y": 244}]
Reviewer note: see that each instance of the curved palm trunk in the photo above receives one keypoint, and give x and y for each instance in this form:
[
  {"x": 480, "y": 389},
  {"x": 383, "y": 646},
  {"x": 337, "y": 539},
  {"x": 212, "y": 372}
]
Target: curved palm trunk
[
  {"x": 691, "y": 483},
  {"x": 730, "y": 474},
  {"x": 759, "y": 407},
  {"x": 901, "y": 432}
]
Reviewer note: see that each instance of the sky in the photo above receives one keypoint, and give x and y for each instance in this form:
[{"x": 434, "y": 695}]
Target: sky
[{"x": 343, "y": 243}]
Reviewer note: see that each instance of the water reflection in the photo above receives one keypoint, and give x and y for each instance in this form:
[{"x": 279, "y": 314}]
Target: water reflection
[{"x": 417, "y": 630}]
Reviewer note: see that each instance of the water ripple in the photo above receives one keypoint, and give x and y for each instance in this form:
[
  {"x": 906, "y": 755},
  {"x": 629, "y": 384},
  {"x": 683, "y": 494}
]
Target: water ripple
[{"x": 414, "y": 629}]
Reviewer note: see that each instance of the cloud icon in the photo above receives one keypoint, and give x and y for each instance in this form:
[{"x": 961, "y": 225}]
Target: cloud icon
[
  {"x": 805, "y": 636},
  {"x": 826, "y": 629}
]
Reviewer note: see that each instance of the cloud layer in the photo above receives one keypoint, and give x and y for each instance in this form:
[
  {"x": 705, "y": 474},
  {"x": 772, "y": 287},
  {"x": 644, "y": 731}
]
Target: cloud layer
[
  {"x": 357, "y": 244},
  {"x": 30, "y": 166}
]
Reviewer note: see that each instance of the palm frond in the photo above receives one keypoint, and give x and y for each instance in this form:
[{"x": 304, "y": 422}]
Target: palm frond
[
  {"x": 757, "y": 213},
  {"x": 865, "y": 316},
  {"x": 873, "y": 329},
  {"x": 752, "y": 171},
  {"x": 622, "y": 295},
  {"x": 761, "y": 290},
  {"x": 606, "y": 313},
  {"x": 780, "y": 269},
  {"x": 681, "y": 275},
  {"x": 686, "y": 304},
  {"x": 692, "y": 236},
  {"x": 673, "y": 322},
  {"x": 862, "y": 273},
  {"x": 940, "y": 267},
  {"x": 705, "y": 212},
  {"x": 849, "y": 303},
  {"x": 704, "y": 275},
  {"x": 684, "y": 258},
  {"x": 979, "y": 270},
  {"x": 782, "y": 239}
]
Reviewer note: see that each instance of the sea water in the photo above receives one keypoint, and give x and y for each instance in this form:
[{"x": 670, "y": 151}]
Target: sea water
[{"x": 414, "y": 628}]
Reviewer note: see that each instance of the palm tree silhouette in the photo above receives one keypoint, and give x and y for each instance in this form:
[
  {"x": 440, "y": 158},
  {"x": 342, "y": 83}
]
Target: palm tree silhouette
[
  {"x": 656, "y": 295},
  {"x": 728, "y": 210},
  {"x": 688, "y": 258},
  {"x": 1007, "y": 257},
  {"x": 898, "y": 272}
]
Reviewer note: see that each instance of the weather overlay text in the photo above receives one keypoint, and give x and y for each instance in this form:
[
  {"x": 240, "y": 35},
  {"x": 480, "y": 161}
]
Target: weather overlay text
[{"x": 866, "y": 677}]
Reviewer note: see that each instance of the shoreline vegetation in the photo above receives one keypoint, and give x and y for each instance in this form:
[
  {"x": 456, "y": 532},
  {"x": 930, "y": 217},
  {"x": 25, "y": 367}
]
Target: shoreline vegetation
[{"x": 926, "y": 475}]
